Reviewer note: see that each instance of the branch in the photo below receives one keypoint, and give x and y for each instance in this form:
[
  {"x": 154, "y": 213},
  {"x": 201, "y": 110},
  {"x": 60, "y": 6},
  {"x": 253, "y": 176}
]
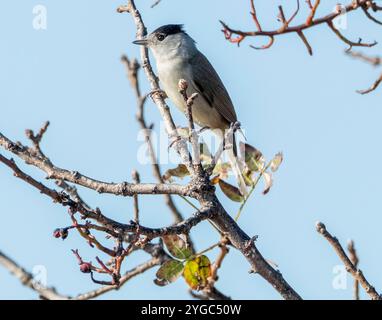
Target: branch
[
  {"x": 53, "y": 172},
  {"x": 125, "y": 278},
  {"x": 132, "y": 68},
  {"x": 350, "y": 267},
  {"x": 354, "y": 260},
  {"x": 311, "y": 22},
  {"x": 180, "y": 146},
  {"x": 182, "y": 227},
  {"x": 137, "y": 180},
  {"x": 205, "y": 193},
  {"x": 155, "y": 3},
  {"x": 374, "y": 86},
  {"x": 374, "y": 61},
  {"x": 189, "y": 101},
  {"x": 210, "y": 289},
  {"x": 26, "y": 278}
]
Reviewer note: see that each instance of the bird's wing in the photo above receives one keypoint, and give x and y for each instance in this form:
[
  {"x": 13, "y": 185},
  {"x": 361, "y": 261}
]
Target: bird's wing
[{"x": 209, "y": 85}]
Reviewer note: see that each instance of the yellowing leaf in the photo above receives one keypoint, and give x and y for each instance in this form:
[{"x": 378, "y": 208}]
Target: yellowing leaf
[
  {"x": 253, "y": 158},
  {"x": 177, "y": 247},
  {"x": 222, "y": 169},
  {"x": 197, "y": 271},
  {"x": 231, "y": 191},
  {"x": 180, "y": 171},
  {"x": 215, "y": 180},
  {"x": 169, "y": 272},
  {"x": 268, "y": 182},
  {"x": 276, "y": 161}
]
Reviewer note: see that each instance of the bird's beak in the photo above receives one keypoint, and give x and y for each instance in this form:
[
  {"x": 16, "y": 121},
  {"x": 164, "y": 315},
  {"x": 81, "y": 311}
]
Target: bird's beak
[{"x": 142, "y": 42}]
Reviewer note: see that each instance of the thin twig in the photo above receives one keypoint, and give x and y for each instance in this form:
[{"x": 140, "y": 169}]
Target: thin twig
[
  {"x": 354, "y": 260},
  {"x": 237, "y": 36},
  {"x": 132, "y": 68},
  {"x": 356, "y": 273},
  {"x": 136, "y": 179}
]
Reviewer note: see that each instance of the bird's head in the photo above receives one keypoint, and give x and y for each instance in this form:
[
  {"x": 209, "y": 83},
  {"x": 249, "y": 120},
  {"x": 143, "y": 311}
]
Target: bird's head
[{"x": 168, "y": 40}]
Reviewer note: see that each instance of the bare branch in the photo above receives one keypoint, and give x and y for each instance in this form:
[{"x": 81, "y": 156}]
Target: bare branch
[
  {"x": 56, "y": 173},
  {"x": 136, "y": 179},
  {"x": 26, "y": 278},
  {"x": 155, "y": 3},
  {"x": 125, "y": 278},
  {"x": 62, "y": 198},
  {"x": 347, "y": 41},
  {"x": 354, "y": 260},
  {"x": 132, "y": 68},
  {"x": 374, "y": 61},
  {"x": 374, "y": 86},
  {"x": 311, "y": 22},
  {"x": 350, "y": 267},
  {"x": 189, "y": 101}
]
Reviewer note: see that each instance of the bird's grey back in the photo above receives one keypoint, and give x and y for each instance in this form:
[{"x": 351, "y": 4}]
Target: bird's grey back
[{"x": 210, "y": 86}]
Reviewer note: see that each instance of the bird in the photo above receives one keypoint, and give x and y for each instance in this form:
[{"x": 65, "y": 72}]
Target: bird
[{"x": 177, "y": 57}]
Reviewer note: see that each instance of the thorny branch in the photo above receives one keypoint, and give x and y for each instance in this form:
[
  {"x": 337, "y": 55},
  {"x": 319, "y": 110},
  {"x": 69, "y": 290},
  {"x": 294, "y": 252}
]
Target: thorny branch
[{"x": 237, "y": 36}]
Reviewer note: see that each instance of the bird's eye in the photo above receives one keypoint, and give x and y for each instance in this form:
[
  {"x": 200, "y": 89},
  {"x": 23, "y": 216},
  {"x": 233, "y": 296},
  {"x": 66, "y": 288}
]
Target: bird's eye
[{"x": 160, "y": 37}]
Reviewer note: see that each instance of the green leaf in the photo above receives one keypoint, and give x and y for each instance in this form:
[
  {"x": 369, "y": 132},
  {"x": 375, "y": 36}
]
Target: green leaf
[
  {"x": 231, "y": 191},
  {"x": 180, "y": 171},
  {"x": 276, "y": 161},
  {"x": 169, "y": 272},
  {"x": 197, "y": 271},
  {"x": 253, "y": 158},
  {"x": 177, "y": 247}
]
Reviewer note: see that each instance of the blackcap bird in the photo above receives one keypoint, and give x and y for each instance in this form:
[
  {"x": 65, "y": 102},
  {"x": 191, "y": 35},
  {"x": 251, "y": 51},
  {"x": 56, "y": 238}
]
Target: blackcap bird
[{"x": 177, "y": 57}]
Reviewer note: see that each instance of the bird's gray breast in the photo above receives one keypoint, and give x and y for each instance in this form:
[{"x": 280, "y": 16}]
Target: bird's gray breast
[{"x": 170, "y": 72}]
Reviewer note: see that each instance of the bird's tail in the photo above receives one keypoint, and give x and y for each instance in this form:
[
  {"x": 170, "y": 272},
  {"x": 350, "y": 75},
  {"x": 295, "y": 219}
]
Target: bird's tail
[{"x": 236, "y": 167}]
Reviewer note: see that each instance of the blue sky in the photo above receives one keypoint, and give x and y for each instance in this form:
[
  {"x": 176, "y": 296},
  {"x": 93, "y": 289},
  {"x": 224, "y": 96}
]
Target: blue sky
[{"x": 286, "y": 100}]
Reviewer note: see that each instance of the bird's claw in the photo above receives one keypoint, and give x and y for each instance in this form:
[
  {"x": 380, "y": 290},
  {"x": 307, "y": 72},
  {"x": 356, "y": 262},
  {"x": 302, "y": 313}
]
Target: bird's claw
[
  {"x": 160, "y": 92},
  {"x": 200, "y": 131},
  {"x": 173, "y": 142}
]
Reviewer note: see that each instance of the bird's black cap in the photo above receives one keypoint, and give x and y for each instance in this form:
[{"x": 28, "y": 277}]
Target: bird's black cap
[{"x": 170, "y": 29}]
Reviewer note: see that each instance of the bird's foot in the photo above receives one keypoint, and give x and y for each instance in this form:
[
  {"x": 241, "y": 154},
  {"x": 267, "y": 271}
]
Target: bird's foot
[
  {"x": 174, "y": 141},
  {"x": 200, "y": 131},
  {"x": 159, "y": 92},
  {"x": 227, "y": 145},
  {"x": 235, "y": 126}
]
